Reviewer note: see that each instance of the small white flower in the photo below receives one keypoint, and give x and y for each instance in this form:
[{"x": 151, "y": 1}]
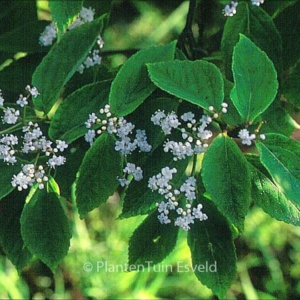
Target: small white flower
[
  {"x": 205, "y": 120},
  {"x": 168, "y": 173},
  {"x": 141, "y": 141},
  {"x": 56, "y": 161},
  {"x": 22, "y": 101},
  {"x": 171, "y": 121},
  {"x": 48, "y": 35},
  {"x": 262, "y": 136},
  {"x": 230, "y": 9},
  {"x": 189, "y": 188},
  {"x": 157, "y": 117},
  {"x": 138, "y": 174},
  {"x": 183, "y": 223},
  {"x": 188, "y": 116},
  {"x": 100, "y": 42},
  {"x": 28, "y": 176},
  {"x": 123, "y": 181},
  {"x": 61, "y": 145},
  {"x": 125, "y": 146},
  {"x": 125, "y": 129},
  {"x": 164, "y": 219},
  {"x": 33, "y": 91},
  {"x": 11, "y": 116},
  {"x": 91, "y": 120},
  {"x": 89, "y": 136},
  {"x": 87, "y": 14},
  {"x": 257, "y": 2},
  {"x": 245, "y": 136},
  {"x": 9, "y": 140}
]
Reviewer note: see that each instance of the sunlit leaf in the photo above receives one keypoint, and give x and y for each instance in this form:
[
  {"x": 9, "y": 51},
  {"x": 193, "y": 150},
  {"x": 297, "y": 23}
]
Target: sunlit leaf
[
  {"x": 68, "y": 122},
  {"x": 255, "y": 83},
  {"x": 198, "y": 82},
  {"x": 281, "y": 157},
  {"x": 268, "y": 196},
  {"x": 227, "y": 179},
  {"x": 132, "y": 84},
  {"x": 64, "y": 12},
  {"x": 257, "y": 25},
  {"x": 51, "y": 76}
]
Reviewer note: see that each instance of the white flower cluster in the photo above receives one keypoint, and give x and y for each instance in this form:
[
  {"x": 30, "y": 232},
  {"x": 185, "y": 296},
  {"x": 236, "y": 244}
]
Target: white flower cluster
[
  {"x": 257, "y": 2},
  {"x": 11, "y": 115},
  {"x": 32, "y": 90},
  {"x": 29, "y": 175},
  {"x": 48, "y": 35},
  {"x": 86, "y": 15},
  {"x": 125, "y": 144},
  {"x": 7, "y": 151},
  {"x": 131, "y": 169},
  {"x": 247, "y": 138},
  {"x": 230, "y": 9},
  {"x": 90, "y": 61},
  {"x": 186, "y": 215},
  {"x": 33, "y": 141},
  {"x": 194, "y": 133}
]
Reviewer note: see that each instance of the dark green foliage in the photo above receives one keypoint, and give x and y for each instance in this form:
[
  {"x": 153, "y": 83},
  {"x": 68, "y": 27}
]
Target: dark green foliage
[
  {"x": 213, "y": 251},
  {"x": 151, "y": 242},
  {"x": 253, "y": 87},
  {"x": 98, "y": 174}
]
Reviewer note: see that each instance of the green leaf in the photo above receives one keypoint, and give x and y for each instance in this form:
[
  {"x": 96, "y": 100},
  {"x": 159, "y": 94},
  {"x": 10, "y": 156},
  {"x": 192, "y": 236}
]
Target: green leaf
[
  {"x": 255, "y": 80},
  {"x": 64, "y": 12},
  {"x": 6, "y": 175},
  {"x": 98, "y": 174},
  {"x": 256, "y": 24},
  {"x": 274, "y": 8},
  {"x": 65, "y": 175},
  {"x": 213, "y": 251},
  {"x": 10, "y": 230},
  {"x": 15, "y": 77},
  {"x": 68, "y": 122},
  {"x": 132, "y": 85},
  {"x": 45, "y": 228},
  {"x": 232, "y": 117},
  {"x": 152, "y": 241},
  {"x": 281, "y": 157},
  {"x": 198, "y": 82},
  {"x": 12, "y": 43},
  {"x": 139, "y": 199},
  {"x": 62, "y": 62},
  {"x": 291, "y": 88},
  {"x": 268, "y": 196},
  {"x": 227, "y": 179},
  {"x": 288, "y": 24},
  {"x": 277, "y": 120},
  {"x": 100, "y": 7}
]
